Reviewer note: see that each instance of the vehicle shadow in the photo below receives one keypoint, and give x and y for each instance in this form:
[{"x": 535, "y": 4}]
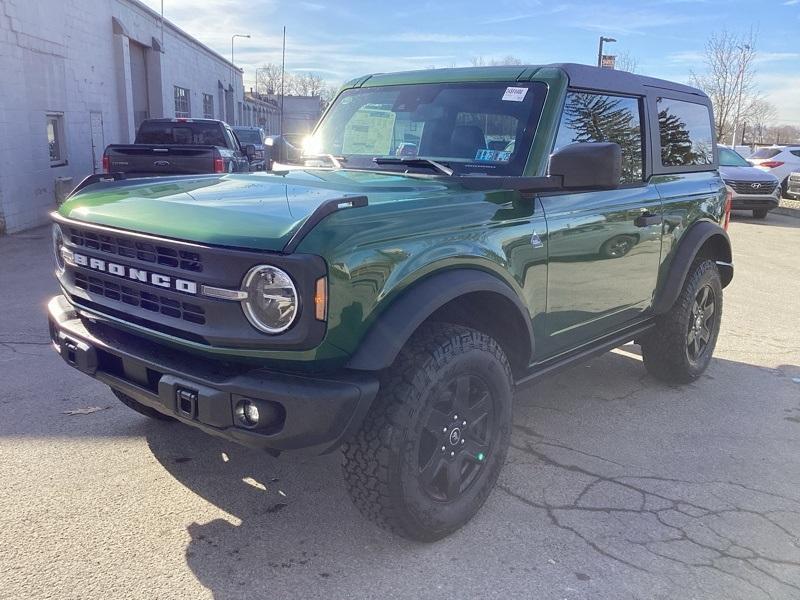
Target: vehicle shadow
[{"x": 602, "y": 430}]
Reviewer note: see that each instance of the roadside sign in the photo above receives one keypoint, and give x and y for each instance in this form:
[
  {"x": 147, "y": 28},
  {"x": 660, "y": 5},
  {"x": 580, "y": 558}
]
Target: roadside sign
[{"x": 608, "y": 61}]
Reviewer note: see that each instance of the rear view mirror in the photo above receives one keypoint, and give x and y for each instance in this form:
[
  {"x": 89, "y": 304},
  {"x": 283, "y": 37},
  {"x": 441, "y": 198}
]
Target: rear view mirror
[{"x": 587, "y": 165}]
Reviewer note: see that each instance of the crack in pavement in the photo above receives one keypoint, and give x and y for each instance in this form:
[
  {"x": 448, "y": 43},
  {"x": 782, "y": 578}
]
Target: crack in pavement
[{"x": 649, "y": 523}]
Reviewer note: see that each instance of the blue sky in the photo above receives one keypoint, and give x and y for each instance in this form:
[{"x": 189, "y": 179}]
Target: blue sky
[{"x": 347, "y": 38}]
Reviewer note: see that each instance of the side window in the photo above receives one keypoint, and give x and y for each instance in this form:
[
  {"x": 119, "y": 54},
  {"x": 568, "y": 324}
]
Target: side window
[
  {"x": 592, "y": 117},
  {"x": 182, "y": 109},
  {"x": 686, "y": 134},
  {"x": 230, "y": 140}
]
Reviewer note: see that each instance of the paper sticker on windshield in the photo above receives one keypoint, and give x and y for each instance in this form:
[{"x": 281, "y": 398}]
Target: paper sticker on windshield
[
  {"x": 369, "y": 131},
  {"x": 515, "y": 94}
]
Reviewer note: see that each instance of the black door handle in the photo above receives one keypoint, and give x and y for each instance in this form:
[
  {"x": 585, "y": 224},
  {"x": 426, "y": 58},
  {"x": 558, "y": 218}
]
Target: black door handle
[{"x": 646, "y": 219}]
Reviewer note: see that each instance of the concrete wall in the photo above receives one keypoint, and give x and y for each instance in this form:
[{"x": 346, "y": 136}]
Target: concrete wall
[{"x": 72, "y": 57}]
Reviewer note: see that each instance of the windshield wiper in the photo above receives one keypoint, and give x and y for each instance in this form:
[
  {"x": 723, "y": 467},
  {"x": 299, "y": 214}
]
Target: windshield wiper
[
  {"x": 336, "y": 161},
  {"x": 413, "y": 161}
]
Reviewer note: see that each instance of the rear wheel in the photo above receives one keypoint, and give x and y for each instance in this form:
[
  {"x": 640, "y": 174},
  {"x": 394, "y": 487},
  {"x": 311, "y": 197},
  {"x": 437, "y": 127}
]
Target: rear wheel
[
  {"x": 141, "y": 408},
  {"x": 680, "y": 347},
  {"x": 432, "y": 446},
  {"x": 760, "y": 213}
]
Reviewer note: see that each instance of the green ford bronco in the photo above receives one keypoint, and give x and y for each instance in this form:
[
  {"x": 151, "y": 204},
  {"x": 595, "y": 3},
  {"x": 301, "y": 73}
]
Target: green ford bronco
[{"x": 450, "y": 235}]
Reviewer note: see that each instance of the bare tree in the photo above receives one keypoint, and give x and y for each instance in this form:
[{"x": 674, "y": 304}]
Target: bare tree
[
  {"x": 729, "y": 77},
  {"x": 480, "y": 61},
  {"x": 268, "y": 79},
  {"x": 626, "y": 62},
  {"x": 758, "y": 114},
  {"x": 307, "y": 84}
]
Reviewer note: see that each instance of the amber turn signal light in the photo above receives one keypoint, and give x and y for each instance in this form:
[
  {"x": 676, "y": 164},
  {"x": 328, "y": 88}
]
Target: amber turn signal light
[{"x": 321, "y": 299}]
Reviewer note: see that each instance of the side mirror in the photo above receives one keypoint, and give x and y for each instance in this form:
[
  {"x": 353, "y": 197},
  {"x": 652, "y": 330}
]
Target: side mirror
[
  {"x": 250, "y": 150},
  {"x": 587, "y": 165}
]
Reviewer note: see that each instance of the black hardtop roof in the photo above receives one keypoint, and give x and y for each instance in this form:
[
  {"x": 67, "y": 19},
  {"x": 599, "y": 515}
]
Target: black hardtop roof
[
  {"x": 580, "y": 76},
  {"x": 586, "y": 76}
]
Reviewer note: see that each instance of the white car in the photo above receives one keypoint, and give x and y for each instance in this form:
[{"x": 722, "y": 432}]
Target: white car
[{"x": 778, "y": 160}]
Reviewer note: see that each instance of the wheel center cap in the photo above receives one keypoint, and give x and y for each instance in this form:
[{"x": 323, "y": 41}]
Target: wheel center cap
[
  {"x": 698, "y": 322},
  {"x": 455, "y": 436}
]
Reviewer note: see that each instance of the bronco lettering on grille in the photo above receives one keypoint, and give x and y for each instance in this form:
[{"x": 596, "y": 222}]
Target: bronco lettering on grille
[{"x": 140, "y": 275}]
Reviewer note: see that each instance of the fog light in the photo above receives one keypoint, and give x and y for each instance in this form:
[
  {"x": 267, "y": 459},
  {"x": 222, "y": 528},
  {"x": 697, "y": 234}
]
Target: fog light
[{"x": 247, "y": 413}]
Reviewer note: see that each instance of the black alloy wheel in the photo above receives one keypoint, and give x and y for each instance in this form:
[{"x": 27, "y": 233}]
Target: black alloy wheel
[
  {"x": 457, "y": 438},
  {"x": 701, "y": 323}
]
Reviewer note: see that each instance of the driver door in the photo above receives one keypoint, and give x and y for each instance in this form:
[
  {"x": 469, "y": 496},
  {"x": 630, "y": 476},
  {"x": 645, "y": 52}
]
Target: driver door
[{"x": 604, "y": 247}]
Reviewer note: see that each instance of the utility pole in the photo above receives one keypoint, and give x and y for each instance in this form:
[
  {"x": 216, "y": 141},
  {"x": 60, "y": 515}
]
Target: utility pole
[
  {"x": 600, "y": 49},
  {"x": 740, "y": 78}
]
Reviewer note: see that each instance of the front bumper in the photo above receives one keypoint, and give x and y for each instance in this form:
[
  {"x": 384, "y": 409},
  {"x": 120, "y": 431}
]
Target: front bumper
[
  {"x": 316, "y": 412},
  {"x": 754, "y": 201}
]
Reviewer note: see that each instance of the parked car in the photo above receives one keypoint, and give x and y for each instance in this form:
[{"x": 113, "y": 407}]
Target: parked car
[
  {"x": 252, "y": 139},
  {"x": 389, "y": 305},
  {"x": 743, "y": 151},
  {"x": 752, "y": 188},
  {"x": 177, "y": 147},
  {"x": 778, "y": 160},
  {"x": 793, "y": 190}
]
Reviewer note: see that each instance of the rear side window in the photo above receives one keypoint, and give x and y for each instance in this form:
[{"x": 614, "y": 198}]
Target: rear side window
[
  {"x": 766, "y": 153},
  {"x": 795, "y": 152},
  {"x": 686, "y": 134},
  {"x": 590, "y": 117}
]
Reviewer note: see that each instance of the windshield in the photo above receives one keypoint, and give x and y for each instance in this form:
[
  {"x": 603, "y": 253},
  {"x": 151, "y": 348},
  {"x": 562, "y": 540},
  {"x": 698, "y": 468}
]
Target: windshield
[
  {"x": 180, "y": 132},
  {"x": 248, "y": 136},
  {"x": 766, "y": 153},
  {"x": 484, "y": 128},
  {"x": 730, "y": 158}
]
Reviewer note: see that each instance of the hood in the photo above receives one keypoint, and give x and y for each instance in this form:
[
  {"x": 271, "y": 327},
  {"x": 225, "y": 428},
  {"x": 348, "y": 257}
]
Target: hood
[
  {"x": 746, "y": 174},
  {"x": 259, "y": 211}
]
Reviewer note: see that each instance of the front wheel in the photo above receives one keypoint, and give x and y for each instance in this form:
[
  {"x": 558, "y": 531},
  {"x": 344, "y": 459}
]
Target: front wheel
[
  {"x": 432, "y": 446},
  {"x": 679, "y": 349},
  {"x": 760, "y": 213}
]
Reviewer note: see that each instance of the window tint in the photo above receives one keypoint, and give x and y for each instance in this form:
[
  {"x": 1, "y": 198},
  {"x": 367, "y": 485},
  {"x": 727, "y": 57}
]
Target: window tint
[
  {"x": 167, "y": 132},
  {"x": 686, "y": 138},
  {"x": 248, "y": 136},
  {"x": 795, "y": 152},
  {"x": 591, "y": 117},
  {"x": 766, "y": 153}
]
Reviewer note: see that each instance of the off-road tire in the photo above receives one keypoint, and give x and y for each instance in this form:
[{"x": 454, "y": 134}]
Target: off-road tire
[
  {"x": 760, "y": 213},
  {"x": 381, "y": 462},
  {"x": 141, "y": 408},
  {"x": 665, "y": 349}
]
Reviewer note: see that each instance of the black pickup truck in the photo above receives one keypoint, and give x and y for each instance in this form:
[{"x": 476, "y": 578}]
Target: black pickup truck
[{"x": 178, "y": 147}]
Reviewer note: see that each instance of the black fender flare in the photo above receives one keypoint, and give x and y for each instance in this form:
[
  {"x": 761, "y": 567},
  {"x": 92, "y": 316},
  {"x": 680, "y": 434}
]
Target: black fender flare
[
  {"x": 395, "y": 325},
  {"x": 689, "y": 245}
]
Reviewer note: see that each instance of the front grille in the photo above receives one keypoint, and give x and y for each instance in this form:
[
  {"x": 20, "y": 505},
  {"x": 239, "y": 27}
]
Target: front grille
[
  {"x": 746, "y": 187},
  {"x": 141, "y": 298},
  {"x": 142, "y": 250}
]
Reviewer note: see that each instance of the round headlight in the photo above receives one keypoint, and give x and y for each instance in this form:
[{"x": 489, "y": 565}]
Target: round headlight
[
  {"x": 271, "y": 304},
  {"x": 58, "y": 244}
]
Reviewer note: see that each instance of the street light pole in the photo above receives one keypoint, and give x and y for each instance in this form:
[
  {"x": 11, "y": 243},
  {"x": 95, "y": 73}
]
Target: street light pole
[
  {"x": 740, "y": 79},
  {"x": 600, "y": 49},
  {"x": 233, "y": 66}
]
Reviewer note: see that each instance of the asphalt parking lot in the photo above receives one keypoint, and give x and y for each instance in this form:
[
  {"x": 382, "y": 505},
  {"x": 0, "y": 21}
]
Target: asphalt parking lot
[{"x": 616, "y": 486}]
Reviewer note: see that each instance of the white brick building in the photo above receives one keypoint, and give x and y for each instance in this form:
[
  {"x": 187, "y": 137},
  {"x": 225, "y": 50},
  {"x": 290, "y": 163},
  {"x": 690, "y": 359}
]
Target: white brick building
[{"x": 76, "y": 75}]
